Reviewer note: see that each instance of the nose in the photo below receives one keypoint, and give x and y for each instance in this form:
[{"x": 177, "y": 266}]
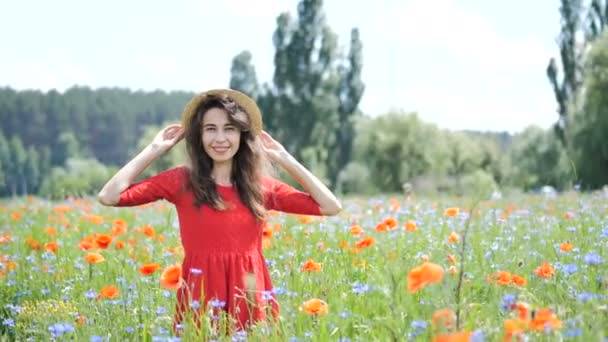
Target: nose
[{"x": 220, "y": 136}]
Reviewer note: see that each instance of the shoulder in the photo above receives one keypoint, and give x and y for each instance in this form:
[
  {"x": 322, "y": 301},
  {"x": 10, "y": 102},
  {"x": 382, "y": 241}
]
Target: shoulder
[{"x": 177, "y": 177}]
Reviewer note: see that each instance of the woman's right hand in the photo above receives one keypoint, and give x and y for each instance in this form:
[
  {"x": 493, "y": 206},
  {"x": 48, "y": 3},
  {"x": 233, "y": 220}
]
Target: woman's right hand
[{"x": 168, "y": 137}]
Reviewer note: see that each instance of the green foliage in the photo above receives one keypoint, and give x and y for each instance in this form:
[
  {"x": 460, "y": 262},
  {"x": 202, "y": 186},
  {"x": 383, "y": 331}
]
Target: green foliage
[
  {"x": 540, "y": 159},
  {"x": 176, "y": 156},
  {"x": 242, "y": 75},
  {"x": 397, "y": 147},
  {"x": 590, "y": 127},
  {"x": 80, "y": 177}
]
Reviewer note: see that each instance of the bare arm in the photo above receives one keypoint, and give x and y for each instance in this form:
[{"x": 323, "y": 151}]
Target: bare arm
[
  {"x": 328, "y": 203},
  {"x": 163, "y": 142}
]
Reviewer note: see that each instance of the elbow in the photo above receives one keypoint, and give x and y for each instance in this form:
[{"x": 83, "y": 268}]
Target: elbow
[
  {"x": 107, "y": 199},
  {"x": 332, "y": 210}
]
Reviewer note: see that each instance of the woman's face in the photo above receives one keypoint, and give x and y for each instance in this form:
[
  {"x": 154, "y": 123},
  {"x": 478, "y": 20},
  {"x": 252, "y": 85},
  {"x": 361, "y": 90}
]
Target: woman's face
[{"x": 221, "y": 138}]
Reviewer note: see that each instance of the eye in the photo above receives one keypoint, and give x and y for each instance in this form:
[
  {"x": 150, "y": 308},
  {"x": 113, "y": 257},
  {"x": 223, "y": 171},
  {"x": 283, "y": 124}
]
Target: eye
[
  {"x": 230, "y": 128},
  {"x": 209, "y": 129}
]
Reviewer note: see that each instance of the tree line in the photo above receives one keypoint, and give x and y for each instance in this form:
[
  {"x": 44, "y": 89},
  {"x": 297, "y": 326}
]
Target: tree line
[{"x": 57, "y": 144}]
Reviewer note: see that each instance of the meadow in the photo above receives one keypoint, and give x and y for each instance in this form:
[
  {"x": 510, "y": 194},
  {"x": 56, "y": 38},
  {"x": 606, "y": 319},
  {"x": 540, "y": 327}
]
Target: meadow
[{"x": 386, "y": 269}]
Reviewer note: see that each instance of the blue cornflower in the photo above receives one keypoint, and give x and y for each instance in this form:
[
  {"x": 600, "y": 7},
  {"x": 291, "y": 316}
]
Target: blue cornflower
[
  {"x": 573, "y": 333},
  {"x": 59, "y": 329},
  {"x": 91, "y": 294},
  {"x": 592, "y": 258},
  {"x": 360, "y": 288},
  {"x": 195, "y": 304},
  {"x": 215, "y": 303},
  {"x": 96, "y": 338},
  {"x": 161, "y": 310},
  {"x": 507, "y": 301},
  {"x": 9, "y": 322},
  {"x": 278, "y": 290},
  {"x": 267, "y": 296},
  {"x": 569, "y": 268},
  {"x": 586, "y": 296},
  {"x": 477, "y": 336}
]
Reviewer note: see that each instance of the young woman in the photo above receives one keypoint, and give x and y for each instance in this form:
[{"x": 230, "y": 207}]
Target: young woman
[{"x": 221, "y": 199}]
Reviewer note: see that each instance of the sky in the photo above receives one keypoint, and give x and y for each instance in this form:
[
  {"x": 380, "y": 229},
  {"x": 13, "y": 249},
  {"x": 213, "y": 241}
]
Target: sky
[{"x": 461, "y": 64}]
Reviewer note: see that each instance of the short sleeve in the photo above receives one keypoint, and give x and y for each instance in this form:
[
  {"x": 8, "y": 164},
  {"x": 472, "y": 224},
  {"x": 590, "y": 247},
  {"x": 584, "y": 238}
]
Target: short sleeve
[
  {"x": 165, "y": 185},
  {"x": 283, "y": 197}
]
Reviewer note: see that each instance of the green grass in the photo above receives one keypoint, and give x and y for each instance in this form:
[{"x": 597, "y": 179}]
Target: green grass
[{"x": 367, "y": 291}]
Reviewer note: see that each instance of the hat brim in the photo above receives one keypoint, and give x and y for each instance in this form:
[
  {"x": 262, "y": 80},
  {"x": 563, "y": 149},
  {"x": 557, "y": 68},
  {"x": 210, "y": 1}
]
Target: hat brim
[{"x": 244, "y": 101}]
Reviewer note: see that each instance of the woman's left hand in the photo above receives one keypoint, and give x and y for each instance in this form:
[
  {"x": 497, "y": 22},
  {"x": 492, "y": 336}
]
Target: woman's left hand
[{"x": 273, "y": 148}]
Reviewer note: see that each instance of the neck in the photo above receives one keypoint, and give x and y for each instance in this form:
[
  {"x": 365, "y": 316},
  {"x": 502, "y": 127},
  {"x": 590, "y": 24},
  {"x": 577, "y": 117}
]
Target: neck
[{"x": 221, "y": 173}]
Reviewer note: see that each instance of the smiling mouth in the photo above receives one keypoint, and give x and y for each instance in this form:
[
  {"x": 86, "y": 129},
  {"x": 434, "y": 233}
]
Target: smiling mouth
[{"x": 220, "y": 149}]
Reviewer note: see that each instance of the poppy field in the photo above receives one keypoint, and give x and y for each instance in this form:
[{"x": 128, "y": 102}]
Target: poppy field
[{"x": 385, "y": 269}]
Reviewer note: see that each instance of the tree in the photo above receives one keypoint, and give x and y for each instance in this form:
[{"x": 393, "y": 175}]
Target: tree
[
  {"x": 540, "y": 159},
  {"x": 398, "y": 147},
  {"x": 570, "y": 56},
  {"x": 349, "y": 95},
  {"x": 31, "y": 177},
  {"x": 15, "y": 170},
  {"x": 242, "y": 75},
  {"x": 303, "y": 108},
  {"x": 590, "y": 128}
]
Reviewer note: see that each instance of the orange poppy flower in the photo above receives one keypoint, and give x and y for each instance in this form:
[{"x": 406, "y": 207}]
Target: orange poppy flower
[
  {"x": 454, "y": 237},
  {"x": 149, "y": 231},
  {"x": 305, "y": 219},
  {"x": 109, "y": 292},
  {"x": 95, "y": 219},
  {"x": 343, "y": 244},
  {"x": 119, "y": 245},
  {"x": 514, "y": 327},
  {"x": 391, "y": 222},
  {"x": 363, "y": 243},
  {"x": 451, "y": 211},
  {"x": 410, "y": 226},
  {"x": 519, "y": 280},
  {"x": 93, "y": 258},
  {"x": 315, "y": 307},
  {"x": 50, "y": 231},
  {"x": 87, "y": 243},
  {"x": 523, "y": 310},
  {"x": 381, "y": 227},
  {"x": 444, "y": 318},
  {"x": 543, "y": 318},
  {"x": 356, "y": 230},
  {"x": 311, "y": 266},
  {"x": 51, "y": 246},
  {"x": 267, "y": 232},
  {"x": 148, "y": 269},
  {"x": 451, "y": 259},
  {"x": 423, "y": 275},
  {"x": 120, "y": 227},
  {"x": 545, "y": 270},
  {"x": 266, "y": 243},
  {"x": 453, "y": 270},
  {"x": 34, "y": 245},
  {"x": 171, "y": 278},
  {"x": 103, "y": 241},
  {"x": 566, "y": 247},
  {"x": 16, "y": 216},
  {"x": 463, "y": 336},
  {"x": 503, "y": 278}
]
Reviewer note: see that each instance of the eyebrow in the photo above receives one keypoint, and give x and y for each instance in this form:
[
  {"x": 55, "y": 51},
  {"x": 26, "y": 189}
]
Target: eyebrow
[{"x": 213, "y": 125}]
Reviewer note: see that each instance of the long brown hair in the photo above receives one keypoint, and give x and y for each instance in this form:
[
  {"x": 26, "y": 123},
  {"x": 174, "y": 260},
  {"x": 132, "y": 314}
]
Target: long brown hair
[{"x": 249, "y": 164}]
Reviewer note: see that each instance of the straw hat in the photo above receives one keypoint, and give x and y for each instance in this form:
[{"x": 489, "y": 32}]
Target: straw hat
[{"x": 244, "y": 101}]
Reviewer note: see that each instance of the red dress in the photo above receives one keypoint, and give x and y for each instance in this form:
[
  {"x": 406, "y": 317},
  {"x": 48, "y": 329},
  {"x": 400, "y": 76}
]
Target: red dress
[{"x": 221, "y": 247}]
